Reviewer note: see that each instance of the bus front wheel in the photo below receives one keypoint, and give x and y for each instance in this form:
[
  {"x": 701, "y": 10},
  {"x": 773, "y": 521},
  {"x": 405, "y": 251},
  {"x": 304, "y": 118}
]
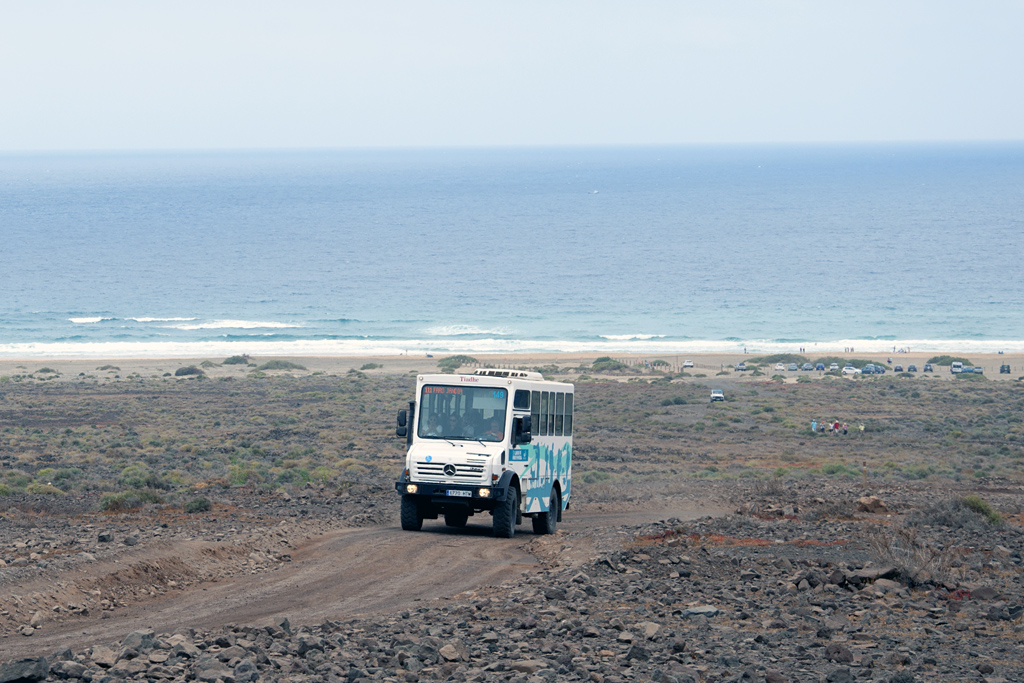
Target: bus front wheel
[
  {"x": 412, "y": 520},
  {"x": 505, "y": 515}
]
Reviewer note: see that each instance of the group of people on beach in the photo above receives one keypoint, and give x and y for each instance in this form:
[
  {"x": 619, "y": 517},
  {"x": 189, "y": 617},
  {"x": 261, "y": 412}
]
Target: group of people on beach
[{"x": 832, "y": 426}]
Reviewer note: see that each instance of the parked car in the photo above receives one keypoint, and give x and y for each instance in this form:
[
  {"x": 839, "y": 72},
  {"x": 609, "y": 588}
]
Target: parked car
[
  {"x": 834, "y": 367},
  {"x": 911, "y": 368},
  {"x": 850, "y": 370},
  {"x": 898, "y": 368},
  {"x": 780, "y": 366},
  {"x": 927, "y": 367},
  {"x": 793, "y": 367},
  {"x": 978, "y": 370},
  {"x": 872, "y": 369},
  {"x": 807, "y": 366},
  {"x": 1004, "y": 369},
  {"x": 717, "y": 395},
  {"x": 741, "y": 367},
  {"x": 687, "y": 363},
  {"x": 956, "y": 367},
  {"x": 819, "y": 366}
]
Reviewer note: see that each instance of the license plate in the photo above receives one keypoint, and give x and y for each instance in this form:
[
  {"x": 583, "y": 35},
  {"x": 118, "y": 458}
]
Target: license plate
[{"x": 460, "y": 494}]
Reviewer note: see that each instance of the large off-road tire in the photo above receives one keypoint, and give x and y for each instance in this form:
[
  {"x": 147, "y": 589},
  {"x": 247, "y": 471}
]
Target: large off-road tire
[
  {"x": 547, "y": 522},
  {"x": 505, "y": 515},
  {"x": 456, "y": 519},
  {"x": 412, "y": 520}
]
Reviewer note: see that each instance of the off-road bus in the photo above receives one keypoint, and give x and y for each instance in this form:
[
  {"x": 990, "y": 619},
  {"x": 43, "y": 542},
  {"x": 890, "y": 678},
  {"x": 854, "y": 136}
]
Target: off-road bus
[{"x": 494, "y": 441}]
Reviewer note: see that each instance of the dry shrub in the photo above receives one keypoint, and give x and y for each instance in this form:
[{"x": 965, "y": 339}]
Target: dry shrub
[{"x": 917, "y": 562}]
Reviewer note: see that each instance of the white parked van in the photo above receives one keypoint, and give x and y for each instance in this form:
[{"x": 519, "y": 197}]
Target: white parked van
[
  {"x": 956, "y": 367},
  {"x": 494, "y": 441}
]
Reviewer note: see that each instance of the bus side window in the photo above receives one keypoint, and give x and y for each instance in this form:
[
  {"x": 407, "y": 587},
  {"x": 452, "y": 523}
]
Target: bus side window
[
  {"x": 522, "y": 399},
  {"x": 559, "y": 407},
  {"x": 543, "y": 413},
  {"x": 551, "y": 414},
  {"x": 535, "y": 412},
  {"x": 568, "y": 415}
]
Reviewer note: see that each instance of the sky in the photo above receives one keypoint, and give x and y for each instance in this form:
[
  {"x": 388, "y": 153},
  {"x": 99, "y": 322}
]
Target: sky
[{"x": 112, "y": 75}]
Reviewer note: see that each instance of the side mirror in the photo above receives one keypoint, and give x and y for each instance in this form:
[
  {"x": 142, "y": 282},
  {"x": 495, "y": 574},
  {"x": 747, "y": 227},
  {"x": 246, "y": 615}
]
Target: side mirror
[
  {"x": 521, "y": 430},
  {"x": 403, "y": 419}
]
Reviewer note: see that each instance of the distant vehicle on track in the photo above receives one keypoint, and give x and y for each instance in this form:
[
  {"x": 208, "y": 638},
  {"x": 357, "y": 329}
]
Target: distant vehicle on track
[
  {"x": 834, "y": 367},
  {"x": 780, "y": 366},
  {"x": 911, "y": 368},
  {"x": 717, "y": 395},
  {"x": 793, "y": 367},
  {"x": 927, "y": 367},
  {"x": 1004, "y": 369},
  {"x": 741, "y": 367},
  {"x": 687, "y": 363}
]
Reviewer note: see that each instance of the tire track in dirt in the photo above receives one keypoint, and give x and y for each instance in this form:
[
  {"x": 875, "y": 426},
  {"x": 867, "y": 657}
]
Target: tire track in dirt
[{"x": 341, "y": 575}]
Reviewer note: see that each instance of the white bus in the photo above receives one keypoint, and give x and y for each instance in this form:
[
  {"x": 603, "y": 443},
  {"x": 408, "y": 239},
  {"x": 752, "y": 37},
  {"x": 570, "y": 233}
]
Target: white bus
[{"x": 494, "y": 441}]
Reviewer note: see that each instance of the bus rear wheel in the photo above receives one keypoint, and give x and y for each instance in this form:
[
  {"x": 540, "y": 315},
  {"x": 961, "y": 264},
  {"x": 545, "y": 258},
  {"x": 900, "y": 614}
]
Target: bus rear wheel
[
  {"x": 412, "y": 520},
  {"x": 505, "y": 515},
  {"x": 547, "y": 522}
]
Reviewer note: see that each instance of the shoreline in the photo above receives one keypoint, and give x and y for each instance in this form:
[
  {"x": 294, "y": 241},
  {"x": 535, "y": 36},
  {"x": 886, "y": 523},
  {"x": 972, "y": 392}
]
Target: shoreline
[
  {"x": 639, "y": 345},
  {"x": 708, "y": 363}
]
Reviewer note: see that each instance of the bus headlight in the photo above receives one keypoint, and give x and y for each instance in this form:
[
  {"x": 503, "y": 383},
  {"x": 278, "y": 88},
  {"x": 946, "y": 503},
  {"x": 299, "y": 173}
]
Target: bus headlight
[
  {"x": 411, "y": 488},
  {"x": 484, "y": 493}
]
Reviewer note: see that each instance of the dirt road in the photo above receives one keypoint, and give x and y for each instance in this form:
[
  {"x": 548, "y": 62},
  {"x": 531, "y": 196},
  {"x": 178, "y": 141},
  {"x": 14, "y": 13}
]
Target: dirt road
[{"x": 344, "y": 574}]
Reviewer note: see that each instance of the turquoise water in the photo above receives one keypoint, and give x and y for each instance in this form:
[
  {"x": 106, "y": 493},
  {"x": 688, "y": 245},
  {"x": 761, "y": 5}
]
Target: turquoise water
[{"x": 605, "y": 249}]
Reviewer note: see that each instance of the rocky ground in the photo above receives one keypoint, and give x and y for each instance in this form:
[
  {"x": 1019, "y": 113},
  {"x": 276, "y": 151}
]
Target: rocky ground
[
  {"x": 803, "y": 582},
  {"x": 706, "y": 542}
]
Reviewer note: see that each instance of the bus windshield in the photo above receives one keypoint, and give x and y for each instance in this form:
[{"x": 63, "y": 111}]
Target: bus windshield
[{"x": 468, "y": 413}]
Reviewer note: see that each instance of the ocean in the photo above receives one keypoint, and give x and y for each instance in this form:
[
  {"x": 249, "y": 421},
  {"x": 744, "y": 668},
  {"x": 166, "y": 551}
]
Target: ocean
[{"x": 380, "y": 252}]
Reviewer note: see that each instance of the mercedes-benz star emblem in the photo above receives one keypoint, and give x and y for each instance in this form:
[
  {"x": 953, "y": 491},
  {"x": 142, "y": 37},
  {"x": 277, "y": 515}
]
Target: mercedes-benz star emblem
[{"x": 449, "y": 470}]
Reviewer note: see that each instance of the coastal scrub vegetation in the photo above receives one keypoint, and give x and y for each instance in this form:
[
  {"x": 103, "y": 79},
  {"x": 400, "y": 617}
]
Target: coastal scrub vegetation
[{"x": 146, "y": 439}]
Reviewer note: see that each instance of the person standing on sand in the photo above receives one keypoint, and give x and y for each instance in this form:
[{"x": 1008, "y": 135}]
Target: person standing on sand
[
  {"x": 844, "y": 429},
  {"x": 814, "y": 425}
]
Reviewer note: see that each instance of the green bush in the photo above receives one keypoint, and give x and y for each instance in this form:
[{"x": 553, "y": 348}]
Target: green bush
[
  {"x": 948, "y": 360},
  {"x": 129, "y": 500},
  {"x": 5, "y": 490},
  {"x": 188, "y": 370},
  {"x": 47, "y": 371},
  {"x": 606, "y": 364},
  {"x": 208, "y": 364},
  {"x": 281, "y": 365},
  {"x": 140, "y": 477},
  {"x": 236, "y": 360},
  {"x": 41, "y": 489},
  {"x": 198, "y": 505},
  {"x": 837, "y": 469},
  {"x": 595, "y": 476},
  {"x": 453, "y": 363},
  {"x": 371, "y": 366},
  {"x": 979, "y": 505}
]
